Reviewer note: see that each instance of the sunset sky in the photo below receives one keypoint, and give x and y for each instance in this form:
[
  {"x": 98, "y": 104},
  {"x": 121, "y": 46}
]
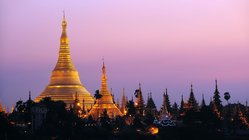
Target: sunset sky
[{"x": 160, "y": 43}]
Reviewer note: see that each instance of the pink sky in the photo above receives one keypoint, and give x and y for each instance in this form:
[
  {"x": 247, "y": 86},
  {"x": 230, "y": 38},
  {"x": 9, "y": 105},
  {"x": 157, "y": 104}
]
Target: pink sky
[{"x": 159, "y": 43}]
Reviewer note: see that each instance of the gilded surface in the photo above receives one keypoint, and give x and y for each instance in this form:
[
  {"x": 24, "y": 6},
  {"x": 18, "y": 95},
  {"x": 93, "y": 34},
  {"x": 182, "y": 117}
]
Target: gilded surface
[
  {"x": 105, "y": 102},
  {"x": 65, "y": 80}
]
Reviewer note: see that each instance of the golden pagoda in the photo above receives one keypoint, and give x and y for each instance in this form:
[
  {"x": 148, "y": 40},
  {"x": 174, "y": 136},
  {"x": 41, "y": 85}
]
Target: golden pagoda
[
  {"x": 105, "y": 102},
  {"x": 65, "y": 80}
]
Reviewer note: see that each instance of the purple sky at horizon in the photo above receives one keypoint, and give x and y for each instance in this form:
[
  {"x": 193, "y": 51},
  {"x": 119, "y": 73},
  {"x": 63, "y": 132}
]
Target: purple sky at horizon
[{"x": 162, "y": 44}]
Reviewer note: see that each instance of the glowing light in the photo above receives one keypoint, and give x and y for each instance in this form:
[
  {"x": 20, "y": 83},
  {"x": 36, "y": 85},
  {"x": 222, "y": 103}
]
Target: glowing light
[{"x": 153, "y": 130}]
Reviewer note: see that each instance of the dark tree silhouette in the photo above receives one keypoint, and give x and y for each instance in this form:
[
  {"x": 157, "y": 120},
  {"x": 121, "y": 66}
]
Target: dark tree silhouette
[
  {"x": 227, "y": 96},
  {"x": 97, "y": 96},
  {"x": 175, "y": 110},
  {"x": 131, "y": 108}
]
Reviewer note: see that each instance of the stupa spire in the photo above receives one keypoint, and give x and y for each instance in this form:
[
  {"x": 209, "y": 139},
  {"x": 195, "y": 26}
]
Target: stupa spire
[
  {"x": 104, "y": 88},
  {"x": 64, "y": 61},
  {"x": 106, "y": 102}
]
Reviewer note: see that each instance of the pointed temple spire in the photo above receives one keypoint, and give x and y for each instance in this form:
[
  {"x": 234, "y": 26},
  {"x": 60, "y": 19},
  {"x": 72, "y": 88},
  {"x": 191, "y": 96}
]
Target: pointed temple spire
[
  {"x": 123, "y": 103},
  {"x": 182, "y": 107},
  {"x": 182, "y": 98},
  {"x": 64, "y": 61},
  {"x": 65, "y": 80},
  {"x": 140, "y": 101},
  {"x": 167, "y": 101},
  {"x": 216, "y": 97},
  {"x": 164, "y": 112},
  {"x": 148, "y": 98},
  {"x": 29, "y": 95},
  {"x": 106, "y": 102},
  {"x": 150, "y": 107},
  {"x": 216, "y": 85},
  {"x": 139, "y": 86},
  {"x": 117, "y": 103},
  {"x": 192, "y": 101},
  {"x": 203, "y": 103},
  {"x": 104, "y": 88}
]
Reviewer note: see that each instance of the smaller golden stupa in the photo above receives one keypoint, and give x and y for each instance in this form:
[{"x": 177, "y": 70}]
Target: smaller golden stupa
[{"x": 105, "y": 102}]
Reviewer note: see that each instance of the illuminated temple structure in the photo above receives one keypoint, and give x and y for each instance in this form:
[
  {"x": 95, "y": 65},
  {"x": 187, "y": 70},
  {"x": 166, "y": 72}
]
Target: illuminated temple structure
[
  {"x": 64, "y": 80},
  {"x": 105, "y": 102}
]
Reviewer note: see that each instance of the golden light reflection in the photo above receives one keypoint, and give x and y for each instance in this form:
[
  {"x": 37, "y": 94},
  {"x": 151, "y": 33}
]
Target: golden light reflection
[
  {"x": 136, "y": 104},
  {"x": 153, "y": 130}
]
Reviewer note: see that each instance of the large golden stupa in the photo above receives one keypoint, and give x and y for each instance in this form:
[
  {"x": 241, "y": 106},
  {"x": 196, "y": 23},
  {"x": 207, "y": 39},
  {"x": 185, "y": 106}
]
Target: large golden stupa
[
  {"x": 65, "y": 81},
  {"x": 105, "y": 102}
]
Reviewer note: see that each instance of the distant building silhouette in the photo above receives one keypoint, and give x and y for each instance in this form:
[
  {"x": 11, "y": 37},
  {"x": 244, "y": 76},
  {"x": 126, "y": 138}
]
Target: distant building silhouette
[
  {"x": 150, "y": 106},
  {"x": 123, "y": 103},
  {"x": 192, "y": 103},
  {"x": 139, "y": 104},
  {"x": 216, "y": 97}
]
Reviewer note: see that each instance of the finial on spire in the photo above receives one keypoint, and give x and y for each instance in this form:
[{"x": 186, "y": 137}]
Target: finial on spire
[
  {"x": 166, "y": 91},
  {"x": 103, "y": 67},
  {"x": 29, "y": 95},
  {"x": 64, "y": 17},
  {"x": 216, "y": 85},
  {"x": 139, "y": 85},
  {"x": 64, "y": 38}
]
